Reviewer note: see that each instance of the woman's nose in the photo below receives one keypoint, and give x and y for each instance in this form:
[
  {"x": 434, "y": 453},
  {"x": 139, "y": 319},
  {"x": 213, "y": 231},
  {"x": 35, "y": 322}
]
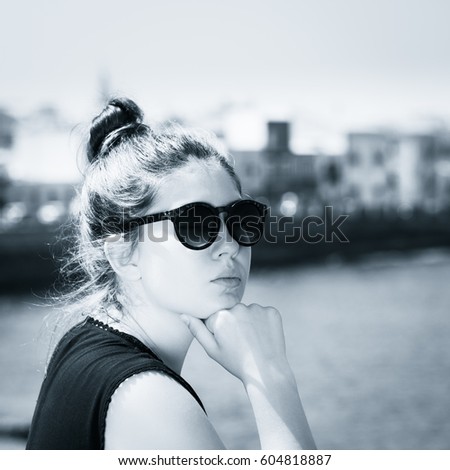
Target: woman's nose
[{"x": 225, "y": 243}]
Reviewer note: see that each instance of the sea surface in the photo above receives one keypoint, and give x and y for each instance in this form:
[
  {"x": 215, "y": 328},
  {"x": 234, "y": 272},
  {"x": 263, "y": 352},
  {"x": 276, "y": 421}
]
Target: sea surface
[{"x": 369, "y": 342}]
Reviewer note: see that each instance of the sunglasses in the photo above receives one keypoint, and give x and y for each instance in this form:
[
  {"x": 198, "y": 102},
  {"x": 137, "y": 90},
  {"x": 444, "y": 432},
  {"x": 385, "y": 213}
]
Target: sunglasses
[{"x": 197, "y": 224}]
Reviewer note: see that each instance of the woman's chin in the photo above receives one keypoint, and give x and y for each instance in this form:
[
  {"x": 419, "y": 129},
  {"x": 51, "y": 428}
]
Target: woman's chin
[{"x": 225, "y": 304}]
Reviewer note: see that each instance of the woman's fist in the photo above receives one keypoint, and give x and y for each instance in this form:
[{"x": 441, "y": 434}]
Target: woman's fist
[{"x": 247, "y": 340}]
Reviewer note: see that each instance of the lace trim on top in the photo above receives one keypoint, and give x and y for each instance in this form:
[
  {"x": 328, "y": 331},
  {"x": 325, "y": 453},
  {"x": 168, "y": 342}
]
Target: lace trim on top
[{"x": 132, "y": 339}]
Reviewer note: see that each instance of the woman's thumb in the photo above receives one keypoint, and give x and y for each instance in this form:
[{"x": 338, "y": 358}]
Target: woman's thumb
[{"x": 200, "y": 333}]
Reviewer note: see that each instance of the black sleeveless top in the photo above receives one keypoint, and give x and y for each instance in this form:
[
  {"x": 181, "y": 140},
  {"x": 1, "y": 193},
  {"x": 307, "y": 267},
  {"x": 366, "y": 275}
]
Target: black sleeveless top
[{"x": 87, "y": 366}]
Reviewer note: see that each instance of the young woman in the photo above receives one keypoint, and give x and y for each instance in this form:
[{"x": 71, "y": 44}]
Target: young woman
[{"x": 165, "y": 236}]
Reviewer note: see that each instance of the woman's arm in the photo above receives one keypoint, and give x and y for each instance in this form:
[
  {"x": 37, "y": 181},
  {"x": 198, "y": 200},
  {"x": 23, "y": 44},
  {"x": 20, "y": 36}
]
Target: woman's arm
[
  {"x": 249, "y": 342},
  {"x": 278, "y": 411},
  {"x": 150, "y": 410}
]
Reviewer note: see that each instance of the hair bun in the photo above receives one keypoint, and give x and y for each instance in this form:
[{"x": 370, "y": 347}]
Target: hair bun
[{"x": 118, "y": 113}]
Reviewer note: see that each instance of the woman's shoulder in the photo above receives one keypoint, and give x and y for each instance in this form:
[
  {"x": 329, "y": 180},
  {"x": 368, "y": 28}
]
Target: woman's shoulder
[{"x": 151, "y": 410}]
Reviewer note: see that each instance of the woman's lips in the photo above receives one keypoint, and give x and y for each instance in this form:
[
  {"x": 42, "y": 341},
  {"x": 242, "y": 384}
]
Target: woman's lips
[{"x": 228, "y": 281}]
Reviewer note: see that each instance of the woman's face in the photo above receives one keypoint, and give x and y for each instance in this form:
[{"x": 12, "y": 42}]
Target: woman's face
[{"x": 178, "y": 279}]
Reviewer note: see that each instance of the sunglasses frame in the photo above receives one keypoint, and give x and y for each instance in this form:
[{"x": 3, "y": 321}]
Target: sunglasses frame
[{"x": 175, "y": 214}]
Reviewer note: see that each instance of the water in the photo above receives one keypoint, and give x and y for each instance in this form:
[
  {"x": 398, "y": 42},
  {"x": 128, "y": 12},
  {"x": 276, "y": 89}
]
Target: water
[{"x": 368, "y": 343}]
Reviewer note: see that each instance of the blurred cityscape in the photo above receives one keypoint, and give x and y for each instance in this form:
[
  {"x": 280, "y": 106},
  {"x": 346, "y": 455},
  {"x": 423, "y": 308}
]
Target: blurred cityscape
[{"x": 392, "y": 186}]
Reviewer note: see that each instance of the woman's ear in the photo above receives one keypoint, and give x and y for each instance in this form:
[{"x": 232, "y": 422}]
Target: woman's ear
[{"x": 122, "y": 258}]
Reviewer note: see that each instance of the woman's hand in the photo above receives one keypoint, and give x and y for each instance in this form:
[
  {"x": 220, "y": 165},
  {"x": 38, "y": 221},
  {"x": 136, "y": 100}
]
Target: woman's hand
[{"x": 247, "y": 340}]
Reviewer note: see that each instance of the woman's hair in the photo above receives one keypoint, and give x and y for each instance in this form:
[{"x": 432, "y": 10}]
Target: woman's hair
[{"x": 127, "y": 162}]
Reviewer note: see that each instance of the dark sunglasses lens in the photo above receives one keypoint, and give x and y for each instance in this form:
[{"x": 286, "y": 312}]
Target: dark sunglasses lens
[
  {"x": 246, "y": 223},
  {"x": 197, "y": 226}
]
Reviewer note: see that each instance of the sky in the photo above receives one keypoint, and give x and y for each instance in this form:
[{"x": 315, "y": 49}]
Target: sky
[{"x": 329, "y": 66}]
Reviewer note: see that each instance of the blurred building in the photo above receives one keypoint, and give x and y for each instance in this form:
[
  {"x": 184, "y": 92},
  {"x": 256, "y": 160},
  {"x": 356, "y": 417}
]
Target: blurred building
[
  {"x": 7, "y": 135},
  {"x": 42, "y": 151},
  {"x": 278, "y": 174},
  {"x": 414, "y": 162},
  {"x": 31, "y": 205},
  {"x": 387, "y": 173},
  {"x": 369, "y": 177},
  {"x": 37, "y": 178},
  {"x": 440, "y": 180},
  {"x": 329, "y": 173},
  {"x": 7, "y": 128},
  {"x": 392, "y": 172}
]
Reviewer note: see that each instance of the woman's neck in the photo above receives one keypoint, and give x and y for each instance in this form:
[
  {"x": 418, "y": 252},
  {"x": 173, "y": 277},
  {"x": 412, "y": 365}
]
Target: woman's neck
[{"x": 161, "y": 331}]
